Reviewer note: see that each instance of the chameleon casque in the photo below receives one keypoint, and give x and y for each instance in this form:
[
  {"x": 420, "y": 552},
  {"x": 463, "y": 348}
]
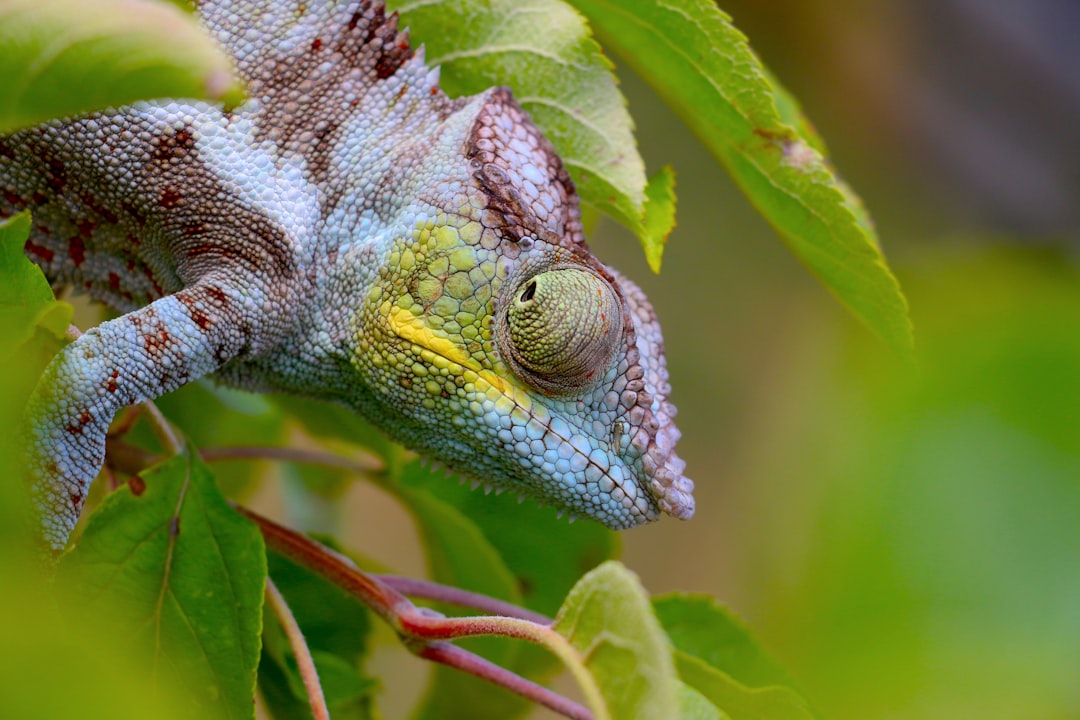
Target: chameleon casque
[{"x": 349, "y": 233}]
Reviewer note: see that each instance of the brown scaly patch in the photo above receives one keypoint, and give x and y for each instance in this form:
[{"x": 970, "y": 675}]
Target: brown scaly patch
[
  {"x": 173, "y": 145},
  {"x": 169, "y": 198}
]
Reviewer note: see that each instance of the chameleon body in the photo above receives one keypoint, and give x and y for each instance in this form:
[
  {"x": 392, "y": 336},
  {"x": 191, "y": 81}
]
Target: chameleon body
[{"x": 349, "y": 233}]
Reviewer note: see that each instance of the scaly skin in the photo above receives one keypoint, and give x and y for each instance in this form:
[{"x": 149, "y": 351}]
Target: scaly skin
[{"x": 351, "y": 234}]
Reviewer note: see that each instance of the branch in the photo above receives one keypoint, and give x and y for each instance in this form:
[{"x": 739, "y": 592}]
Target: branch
[
  {"x": 363, "y": 463},
  {"x": 422, "y": 632},
  {"x": 456, "y": 596},
  {"x": 304, "y": 661}
]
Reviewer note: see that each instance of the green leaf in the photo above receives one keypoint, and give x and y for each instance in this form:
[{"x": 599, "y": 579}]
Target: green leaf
[
  {"x": 63, "y": 57},
  {"x": 53, "y": 667},
  {"x": 659, "y": 215},
  {"x": 704, "y": 69},
  {"x": 32, "y": 329},
  {"x": 716, "y": 656},
  {"x": 695, "y": 706},
  {"x": 608, "y": 619},
  {"x": 738, "y": 701},
  {"x": 26, "y": 300},
  {"x": 188, "y": 573},
  {"x": 544, "y": 51}
]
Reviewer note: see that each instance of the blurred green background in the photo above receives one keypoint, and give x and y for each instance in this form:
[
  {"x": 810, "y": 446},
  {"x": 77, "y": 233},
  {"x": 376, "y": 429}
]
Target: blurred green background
[{"x": 905, "y": 538}]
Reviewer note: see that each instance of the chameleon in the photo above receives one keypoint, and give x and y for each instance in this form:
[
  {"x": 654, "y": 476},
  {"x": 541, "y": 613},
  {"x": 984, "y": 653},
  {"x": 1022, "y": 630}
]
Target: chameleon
[{"x": 349, "y": 233}]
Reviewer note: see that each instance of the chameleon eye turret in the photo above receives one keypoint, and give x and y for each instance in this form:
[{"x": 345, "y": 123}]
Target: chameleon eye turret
[{"x": 561, "y": 329}]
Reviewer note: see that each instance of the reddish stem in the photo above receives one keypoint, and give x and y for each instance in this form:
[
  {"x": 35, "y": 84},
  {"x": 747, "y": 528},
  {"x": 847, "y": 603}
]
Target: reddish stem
[
  {"x": 448, "y": 654},
  {"x": 456, "y": 596},
  {"x": 419, "y": 628}
]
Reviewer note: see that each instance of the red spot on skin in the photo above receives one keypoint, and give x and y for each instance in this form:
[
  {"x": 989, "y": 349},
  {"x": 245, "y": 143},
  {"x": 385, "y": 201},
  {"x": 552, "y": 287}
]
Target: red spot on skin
[
  {"x": 77, "y": 251},
  {"x": 86, "y": 229},
  {"x": 114, "y": 282},
  {"x": 170, "y": 198},
  {"x": 11, "y": 198},
  {"x": 134, "y": 240},
  {"x": 42, "y": 252},
  {"x": 434, "y": 91},
  {"x": 57, "y": 176},
  {"x": 110, "y": 384},
  {"x": 40, "y": 198},
  {"x": 137, "y": 485},
  {"x": 76, "y": 500},
  {"x": 42, "y": 230},
  {"x": 354, "y": 20},
  {"x": 192, "y": 228},
  {"x": 217, "y": 294},
  {"x": 156, "y": 343},
  {"x": 130, "y": 265},
  {"x": 316, "y": 45},
  {"x": 403, "y": 45}
]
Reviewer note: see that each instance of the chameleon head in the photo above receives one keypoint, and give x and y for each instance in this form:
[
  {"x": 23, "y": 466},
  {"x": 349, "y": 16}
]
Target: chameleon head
[{"x": 493, "y": 341}]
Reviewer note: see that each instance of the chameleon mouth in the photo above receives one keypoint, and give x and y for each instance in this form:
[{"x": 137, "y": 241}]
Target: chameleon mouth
[{"x": 538, "y": 437}]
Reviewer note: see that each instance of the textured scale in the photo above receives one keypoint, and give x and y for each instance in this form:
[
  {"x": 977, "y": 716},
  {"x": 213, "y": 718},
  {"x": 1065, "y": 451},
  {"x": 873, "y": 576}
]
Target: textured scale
[{"x": 352, "y": 234}]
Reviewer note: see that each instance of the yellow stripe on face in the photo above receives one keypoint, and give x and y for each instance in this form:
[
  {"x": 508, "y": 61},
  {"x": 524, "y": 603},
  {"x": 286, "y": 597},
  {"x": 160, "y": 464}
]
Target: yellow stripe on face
[{"x": 411, "y": 328}]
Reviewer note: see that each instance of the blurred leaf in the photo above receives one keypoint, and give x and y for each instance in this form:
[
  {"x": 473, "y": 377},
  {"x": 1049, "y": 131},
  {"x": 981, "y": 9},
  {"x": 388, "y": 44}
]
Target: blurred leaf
[
  {"x": 546, "y": 556},
  {"x": 698, "y": 626},
  {"x": 717, "y": 657},
  {"x": 608, "y": 618},
  {"x": 738, "y": 701},
  {"x": 52, "y": 666},
  {"x": 26, "y": 300},
  {"x": 329, "y": 421},
  {"x": 112, "y": 52},
  {"x": 32, "y": 328},
  {"x": 659, "y": 215},
  {"x": 188, "y": 572},
  {"x": 703, "y": 67},
  {"x": 543, "y": 50},
  {"x": 695, "y": 706}
]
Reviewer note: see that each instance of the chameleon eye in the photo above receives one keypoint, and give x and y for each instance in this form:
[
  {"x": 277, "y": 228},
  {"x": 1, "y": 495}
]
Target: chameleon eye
[{"x": 561, "y": 329}]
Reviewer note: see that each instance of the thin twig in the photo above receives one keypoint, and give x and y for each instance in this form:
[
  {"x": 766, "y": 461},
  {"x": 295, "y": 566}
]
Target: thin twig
[
  {"x": 456, "y": 596},
  {"x": 363, "y": 463},
  {"x": 453, "y": 656},
  {"x": 162, "y": 429},
  {"x": 304, "y": 661},
  {"x": 421, "y": 630}
]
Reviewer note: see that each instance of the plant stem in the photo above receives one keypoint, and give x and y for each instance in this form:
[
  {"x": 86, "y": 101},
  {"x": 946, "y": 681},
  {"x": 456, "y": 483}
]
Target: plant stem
[
  {"x": 421, "y": 631},
  {"x": 363, "y": 463},
  {"x": 162, "y": 429},
  {"x": 304, "y": 661},
  {"x": 453, "y": 656},
  {"x": 456, "y": 596}
]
